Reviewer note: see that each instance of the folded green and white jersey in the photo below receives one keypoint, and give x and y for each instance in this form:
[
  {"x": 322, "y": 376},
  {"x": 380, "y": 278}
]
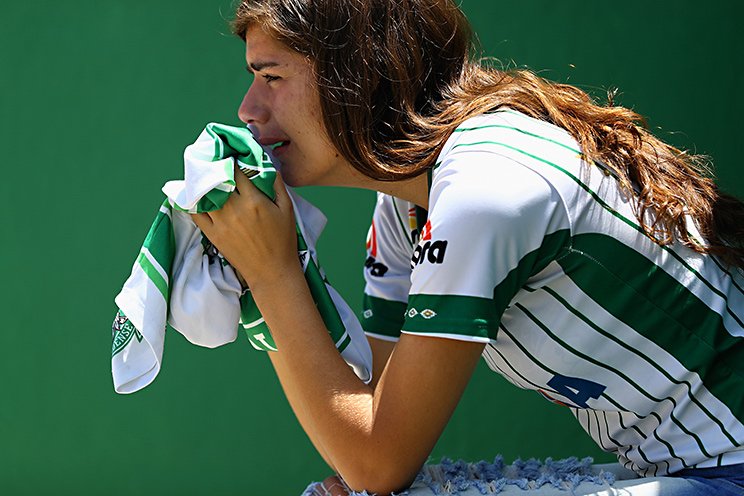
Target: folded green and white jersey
[{"x": 179, "y": 277}]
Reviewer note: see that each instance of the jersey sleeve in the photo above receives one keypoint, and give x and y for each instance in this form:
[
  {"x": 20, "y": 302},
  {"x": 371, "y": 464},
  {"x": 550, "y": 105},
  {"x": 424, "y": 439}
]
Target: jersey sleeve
[
  {"x": 493, "y": 224},
  {"x": 387, "y": 271}
]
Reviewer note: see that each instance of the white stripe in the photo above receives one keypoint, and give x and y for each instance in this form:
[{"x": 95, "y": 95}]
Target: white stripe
[
  {"x": 496, "y": 363},
  {"x": 228, "y": 188},
  {"x": 655, "y": 450},
  {"x": 382, "y": 337},
  {"x": 259, "y": 168},
  {"x": 261, "y": 338},
  {"x": 251, "y": 325},
  {"x": 602, "y": 221},
  {"x": 638, "y": 371},
  {"x": 155, "y": 264},
  {"x": 344, "y": 336},
  {"x": 637, "y": 368},
  {"x": 458, "y": 337}
]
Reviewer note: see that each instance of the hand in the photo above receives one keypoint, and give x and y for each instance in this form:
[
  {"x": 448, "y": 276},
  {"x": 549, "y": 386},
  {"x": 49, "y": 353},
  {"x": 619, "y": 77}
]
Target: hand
[
  {"x": 257, "y": 236},
  {"x": 334, "y": 486}
]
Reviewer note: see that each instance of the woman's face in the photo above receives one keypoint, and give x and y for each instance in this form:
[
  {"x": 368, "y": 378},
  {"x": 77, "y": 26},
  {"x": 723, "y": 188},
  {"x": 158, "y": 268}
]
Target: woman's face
[{"x": 282, "y": 107}]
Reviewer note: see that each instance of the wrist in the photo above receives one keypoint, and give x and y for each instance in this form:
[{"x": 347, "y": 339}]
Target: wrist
[{"x": 278, "y": 278}]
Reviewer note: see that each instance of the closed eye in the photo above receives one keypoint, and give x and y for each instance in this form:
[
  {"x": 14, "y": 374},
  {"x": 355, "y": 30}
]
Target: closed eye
[{"x": 257, "y": 68}]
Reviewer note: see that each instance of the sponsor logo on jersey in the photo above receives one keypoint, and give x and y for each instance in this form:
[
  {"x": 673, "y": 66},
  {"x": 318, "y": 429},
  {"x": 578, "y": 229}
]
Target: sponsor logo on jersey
[
  {"x": 428, "y": 313},
  {"x": 430, "y": 251},
  {"x": 413, "y": 225},
  {"x": 376, "y": 269},
  {"x": 426, "y": 231},
  {"x": 372, "y": 240}
]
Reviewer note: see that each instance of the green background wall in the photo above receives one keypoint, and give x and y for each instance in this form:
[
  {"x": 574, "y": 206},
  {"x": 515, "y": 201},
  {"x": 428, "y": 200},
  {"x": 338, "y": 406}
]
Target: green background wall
[{"x": 98, "y": 99}]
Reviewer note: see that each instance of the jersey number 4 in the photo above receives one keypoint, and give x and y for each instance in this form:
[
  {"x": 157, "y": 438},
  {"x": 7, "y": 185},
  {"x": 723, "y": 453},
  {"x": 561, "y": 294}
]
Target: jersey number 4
[{"x": 576, "y": 390}]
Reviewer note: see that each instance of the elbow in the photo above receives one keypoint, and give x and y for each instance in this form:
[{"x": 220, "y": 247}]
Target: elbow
[{"x": 380, "y": 477}]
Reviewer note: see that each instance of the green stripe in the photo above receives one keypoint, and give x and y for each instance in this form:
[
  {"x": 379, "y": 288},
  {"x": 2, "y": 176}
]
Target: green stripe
[
  {"x": 638, "y": 447},
  {"x": 160, "y": 241},
  {"x": 624, "y": 377},
  {"x": 607, "y": 426},
  {"x": 522, "y": 131},
  {"x": 214, "y": 199},
  {"x": 153, "y": 274},
  {"x": 616, "y": 214},
  {"x": 647, "y": 299},
  {"x": 341, "y": 347},
  {"x": 599, "y": 428},
  {"x": 494, "y": 348},
  {"x": 636, "y": 352},
  {"x": 237, "y": 142},
  {"x": 541, "y": 365},
  {"x": 323, "y": 301},
  {"x": 552, "y": 246},
  {"x": 387, "y": 316},
  {"x": 726, "y": 271},
  {"x": 462, "y": 315}
]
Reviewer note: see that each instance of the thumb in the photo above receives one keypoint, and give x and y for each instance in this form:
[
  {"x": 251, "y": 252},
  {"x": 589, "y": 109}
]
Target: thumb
[{"x": 281, "y": 198}]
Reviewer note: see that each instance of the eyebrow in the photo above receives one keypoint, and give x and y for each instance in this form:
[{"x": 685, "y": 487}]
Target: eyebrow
[{"x": 259, "y": 66}]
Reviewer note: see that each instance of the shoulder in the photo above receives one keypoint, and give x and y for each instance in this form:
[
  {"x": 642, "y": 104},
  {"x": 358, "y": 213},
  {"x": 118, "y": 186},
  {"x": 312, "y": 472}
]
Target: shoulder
[
  {"x": 499, "y": 164},
  {"x": 511, "y": 130},
  {"x": 497, "y": 145},
  {"x": 508, "y": 164}
]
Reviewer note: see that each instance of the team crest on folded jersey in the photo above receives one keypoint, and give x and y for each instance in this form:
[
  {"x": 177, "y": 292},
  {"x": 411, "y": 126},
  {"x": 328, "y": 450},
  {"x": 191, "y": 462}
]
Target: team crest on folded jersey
[
  {"x": 376, "y": 269},
  {"x": 304, "y": 256},
  {"x": 212, "y": 253},
  {"x": 123, "y": 331},
  {"x": 428, "y": 250}
]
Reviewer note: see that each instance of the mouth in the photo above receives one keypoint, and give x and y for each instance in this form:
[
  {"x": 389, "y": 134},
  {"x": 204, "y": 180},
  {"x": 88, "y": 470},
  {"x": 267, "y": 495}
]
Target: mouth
[{"x": 279, "y": 145}]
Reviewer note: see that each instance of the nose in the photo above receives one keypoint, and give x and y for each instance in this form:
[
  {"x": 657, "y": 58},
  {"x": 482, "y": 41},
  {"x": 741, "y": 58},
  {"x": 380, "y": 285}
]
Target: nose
[{"x": 253, "y": 109}]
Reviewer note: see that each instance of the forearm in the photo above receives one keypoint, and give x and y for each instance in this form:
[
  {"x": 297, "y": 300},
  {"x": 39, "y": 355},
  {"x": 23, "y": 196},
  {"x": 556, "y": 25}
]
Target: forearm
[
  {"x": 333, "y": 405},
  {"x": 258, "y": 237},
  {"x": 300, "y": 410},
  {"x": 344, "y": 417},
  {"x": 376, "y": 439}
]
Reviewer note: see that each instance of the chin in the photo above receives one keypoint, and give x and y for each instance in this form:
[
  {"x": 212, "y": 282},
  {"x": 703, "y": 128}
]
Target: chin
[
  {"x": 304, "y": 175},
  {"x": 291, "y": 179}
]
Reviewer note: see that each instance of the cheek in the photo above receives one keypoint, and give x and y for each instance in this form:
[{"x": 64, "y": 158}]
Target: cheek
[{"x": 306, "y": 119}]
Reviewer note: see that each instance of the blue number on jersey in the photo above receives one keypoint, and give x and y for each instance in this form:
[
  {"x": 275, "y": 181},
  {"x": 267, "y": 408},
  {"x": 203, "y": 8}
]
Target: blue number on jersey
[{"x": 575, "y": 389}]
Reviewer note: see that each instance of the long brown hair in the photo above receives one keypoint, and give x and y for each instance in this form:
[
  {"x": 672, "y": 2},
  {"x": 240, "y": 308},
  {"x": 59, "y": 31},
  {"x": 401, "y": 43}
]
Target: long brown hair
[{"x": 397, "y": 77}]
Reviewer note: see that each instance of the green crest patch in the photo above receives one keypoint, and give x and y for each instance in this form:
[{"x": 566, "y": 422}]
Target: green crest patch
[{"x": 123, "y": 330}]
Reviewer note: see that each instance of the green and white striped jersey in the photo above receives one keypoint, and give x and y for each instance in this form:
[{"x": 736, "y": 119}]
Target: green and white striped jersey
[{"x": 538, "y": 254}]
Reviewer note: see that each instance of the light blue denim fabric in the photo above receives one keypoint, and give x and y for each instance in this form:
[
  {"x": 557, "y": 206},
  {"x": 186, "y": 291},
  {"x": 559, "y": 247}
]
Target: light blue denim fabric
[{"x": 569, "y": 477}]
